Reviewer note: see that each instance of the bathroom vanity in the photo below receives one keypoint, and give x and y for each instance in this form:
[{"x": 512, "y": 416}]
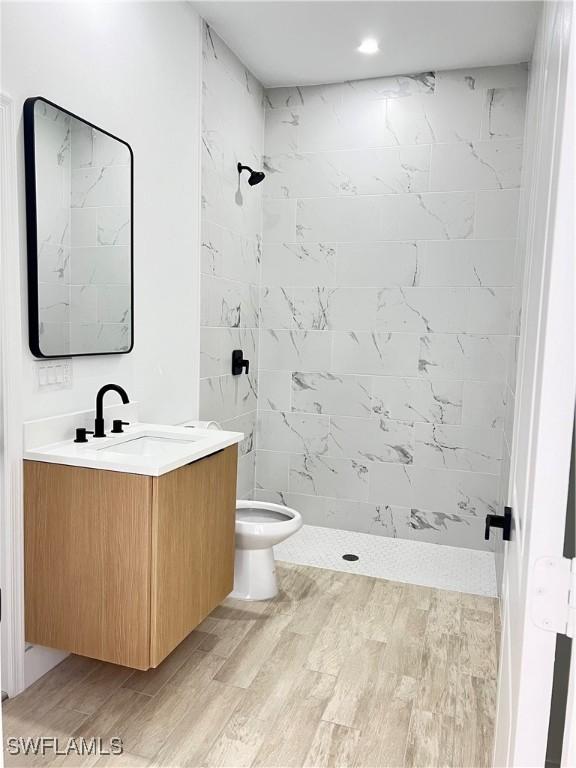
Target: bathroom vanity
[{"x": 129, "y": 541}]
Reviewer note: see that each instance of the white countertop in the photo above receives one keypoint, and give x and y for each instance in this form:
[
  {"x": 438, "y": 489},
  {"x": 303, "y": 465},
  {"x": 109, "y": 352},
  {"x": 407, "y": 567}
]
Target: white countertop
[{"x": 142, "y": 449}]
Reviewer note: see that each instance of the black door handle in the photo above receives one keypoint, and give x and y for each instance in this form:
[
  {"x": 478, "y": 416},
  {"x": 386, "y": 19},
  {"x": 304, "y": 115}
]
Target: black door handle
[{"x": 500, "y": 521}]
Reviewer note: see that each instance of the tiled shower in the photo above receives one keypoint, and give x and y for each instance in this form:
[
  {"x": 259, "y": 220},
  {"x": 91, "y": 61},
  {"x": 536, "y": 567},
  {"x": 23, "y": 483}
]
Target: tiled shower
[
  {"x": 376, "y": 297},
  {"x": 232, "y": 131}
]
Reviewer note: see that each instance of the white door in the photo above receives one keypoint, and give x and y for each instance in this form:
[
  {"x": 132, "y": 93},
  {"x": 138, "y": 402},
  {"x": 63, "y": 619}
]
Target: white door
[{"x": 544, "y": 410}]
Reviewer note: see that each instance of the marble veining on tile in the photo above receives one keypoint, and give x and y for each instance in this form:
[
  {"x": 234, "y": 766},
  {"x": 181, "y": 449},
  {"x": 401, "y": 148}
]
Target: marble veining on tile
[
  {"x": 389, "y": 301},
  {"x": 231, "y": 247},
  {"x": 329, "y": 393},
  {"x": 379, "y": 303},
  {"x": 438, "y": 402}
]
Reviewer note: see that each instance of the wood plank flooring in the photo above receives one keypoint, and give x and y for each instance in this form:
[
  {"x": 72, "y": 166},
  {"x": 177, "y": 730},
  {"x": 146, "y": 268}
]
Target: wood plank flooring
[{"x": 338, "y": 670}]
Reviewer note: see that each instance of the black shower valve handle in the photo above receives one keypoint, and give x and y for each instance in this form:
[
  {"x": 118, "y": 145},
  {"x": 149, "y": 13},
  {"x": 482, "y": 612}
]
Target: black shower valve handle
[
  {"x": 500, "y": 521},
  {"x": 239, "y": 364}
]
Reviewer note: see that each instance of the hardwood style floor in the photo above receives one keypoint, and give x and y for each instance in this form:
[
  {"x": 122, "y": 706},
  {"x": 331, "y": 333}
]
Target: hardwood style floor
[{"x": 339, "y": 670}]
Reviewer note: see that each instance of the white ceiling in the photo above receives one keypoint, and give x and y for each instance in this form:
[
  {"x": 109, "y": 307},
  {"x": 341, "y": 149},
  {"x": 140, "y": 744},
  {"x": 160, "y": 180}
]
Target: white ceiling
[{"x": 302, "y": 42}]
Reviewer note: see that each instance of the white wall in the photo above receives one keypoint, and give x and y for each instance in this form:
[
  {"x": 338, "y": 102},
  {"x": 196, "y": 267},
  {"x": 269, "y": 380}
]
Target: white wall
[
  {"x": 134, "y": 69},
  {"x": 388, "y": 300},
  {"x": 232, "y": 132}
]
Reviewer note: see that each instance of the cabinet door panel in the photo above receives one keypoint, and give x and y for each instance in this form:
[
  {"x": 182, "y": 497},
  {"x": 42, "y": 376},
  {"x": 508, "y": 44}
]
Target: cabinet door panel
[
  {"x": 193, "y": 522},
  {"x": 87, "y": 561}
]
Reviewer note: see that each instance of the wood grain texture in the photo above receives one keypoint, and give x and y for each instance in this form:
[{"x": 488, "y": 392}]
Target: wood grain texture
[
  {"x": 333, "y": 746},
  {"x": 354, "y": 690},
  {"x": 239, "y": 742},
  {"x": 87, "y": 561},
  {"x": 429, "y": 740},
  {"x": 97, "y": 687},
  {"x": 58, "y": 722},
  {"x": 122, "y": 567},
  {"x": 474, "y": 721},
  {"x": 208, "y": 712},
  {"x": 152, "y": 680},
  {"x": 269, "y": 684},
  {"x": 193, "y": 520},
  {"x": 122, "y": 705},
  {"x": 384, "y": 734}
]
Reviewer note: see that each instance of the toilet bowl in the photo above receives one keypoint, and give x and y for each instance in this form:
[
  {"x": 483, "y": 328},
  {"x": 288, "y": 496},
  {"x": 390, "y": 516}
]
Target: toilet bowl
[{"x": 259, "y": 526}]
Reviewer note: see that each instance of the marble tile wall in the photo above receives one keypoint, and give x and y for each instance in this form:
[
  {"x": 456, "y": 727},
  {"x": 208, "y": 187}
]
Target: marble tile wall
[
  {"x": 388, "y": 300},
  {"x": 232, "y": 131}
]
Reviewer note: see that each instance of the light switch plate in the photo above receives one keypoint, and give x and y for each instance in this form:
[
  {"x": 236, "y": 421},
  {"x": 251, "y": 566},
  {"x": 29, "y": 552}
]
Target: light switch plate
[{"x": 54, "y": 374}]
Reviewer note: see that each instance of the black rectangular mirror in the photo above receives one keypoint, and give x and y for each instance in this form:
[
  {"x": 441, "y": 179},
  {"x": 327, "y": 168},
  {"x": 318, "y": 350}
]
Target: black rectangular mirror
[{"x": 79, "y": 185}]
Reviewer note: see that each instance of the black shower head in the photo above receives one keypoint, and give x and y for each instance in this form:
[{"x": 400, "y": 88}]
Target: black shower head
[{"x": 255, "y": 176}]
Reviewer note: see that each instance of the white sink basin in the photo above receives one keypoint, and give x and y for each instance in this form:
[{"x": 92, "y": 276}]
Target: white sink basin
[
  {"x": 143, "y": 449},
  {"x": 149, "y": 445}
]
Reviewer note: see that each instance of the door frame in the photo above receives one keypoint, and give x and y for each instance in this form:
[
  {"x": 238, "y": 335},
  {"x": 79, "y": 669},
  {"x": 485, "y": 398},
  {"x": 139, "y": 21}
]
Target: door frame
[
  {"x": 565, "y": 233},
  {"x": 566, "y": 178},
  {"x": 11, "y": 501},
  {"x": 548, "y": 396}
]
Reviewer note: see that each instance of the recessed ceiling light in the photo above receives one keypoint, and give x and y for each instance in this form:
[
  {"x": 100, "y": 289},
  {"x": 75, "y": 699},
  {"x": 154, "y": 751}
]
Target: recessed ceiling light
[{"x": 369, "y": 45}]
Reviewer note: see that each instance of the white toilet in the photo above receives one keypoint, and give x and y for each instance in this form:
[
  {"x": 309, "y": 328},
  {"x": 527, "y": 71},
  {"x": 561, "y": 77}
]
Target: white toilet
[{"x": 259, "y": 526}]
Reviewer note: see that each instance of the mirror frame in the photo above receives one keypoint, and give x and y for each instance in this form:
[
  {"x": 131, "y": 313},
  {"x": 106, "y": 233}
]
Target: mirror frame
[{"x": 32, "y": 230}]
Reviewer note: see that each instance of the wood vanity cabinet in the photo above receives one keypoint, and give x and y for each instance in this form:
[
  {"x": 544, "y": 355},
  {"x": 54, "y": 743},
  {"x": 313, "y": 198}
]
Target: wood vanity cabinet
[{"x": 122, "y": 567}]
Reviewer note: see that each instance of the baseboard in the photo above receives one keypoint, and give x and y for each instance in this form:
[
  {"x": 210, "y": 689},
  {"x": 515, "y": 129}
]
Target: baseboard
[{"x": 38, "y": 660}]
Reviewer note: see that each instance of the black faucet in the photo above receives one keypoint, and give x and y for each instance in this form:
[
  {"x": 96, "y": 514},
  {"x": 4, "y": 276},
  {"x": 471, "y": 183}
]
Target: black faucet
[{"x": 99, "y": 422}]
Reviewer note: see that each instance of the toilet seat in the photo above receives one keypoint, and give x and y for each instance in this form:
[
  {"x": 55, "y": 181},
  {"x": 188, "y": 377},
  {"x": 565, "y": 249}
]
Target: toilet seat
[
  {"x": 260, "y": 525},
  {"x": 253, "y": 516}
]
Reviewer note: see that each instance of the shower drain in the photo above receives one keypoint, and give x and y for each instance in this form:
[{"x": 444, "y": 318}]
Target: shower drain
[{"x": 350, "y": 557}]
